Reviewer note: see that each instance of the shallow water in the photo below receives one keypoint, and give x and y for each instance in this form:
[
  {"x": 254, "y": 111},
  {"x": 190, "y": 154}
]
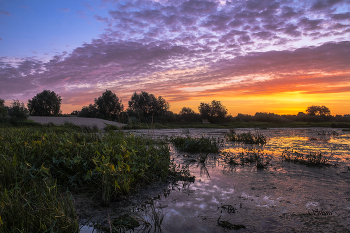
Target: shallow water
[{"x": 284, "y": 197}]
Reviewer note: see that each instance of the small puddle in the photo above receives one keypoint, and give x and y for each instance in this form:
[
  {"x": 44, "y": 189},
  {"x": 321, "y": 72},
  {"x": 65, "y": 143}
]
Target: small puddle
[{"x": 283, "y": 197}]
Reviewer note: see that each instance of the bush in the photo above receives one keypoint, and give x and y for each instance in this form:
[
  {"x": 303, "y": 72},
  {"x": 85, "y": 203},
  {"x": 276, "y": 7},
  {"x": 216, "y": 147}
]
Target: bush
[
  {"x": 268, "y": 117},
  {"x": 17, "y": 111},
  {"x": 3, "y": 109},
  {"x": 188, "y": 115},
  {"x": 89, "y": 111}
]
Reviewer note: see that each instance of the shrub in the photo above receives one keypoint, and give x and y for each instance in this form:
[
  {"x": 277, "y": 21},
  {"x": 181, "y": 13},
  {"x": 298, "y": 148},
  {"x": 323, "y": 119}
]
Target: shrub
[{"x": 17, "y": 111}]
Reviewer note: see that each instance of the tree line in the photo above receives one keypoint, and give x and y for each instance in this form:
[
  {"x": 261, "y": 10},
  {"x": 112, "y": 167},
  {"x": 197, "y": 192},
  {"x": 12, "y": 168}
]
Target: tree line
[{"x": 147, "y": 108}]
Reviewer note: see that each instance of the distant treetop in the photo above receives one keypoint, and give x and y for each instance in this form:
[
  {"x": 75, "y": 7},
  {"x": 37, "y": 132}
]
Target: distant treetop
[
  {"x": 318, "y": 111},
  {"x": 46, "y": 103}
]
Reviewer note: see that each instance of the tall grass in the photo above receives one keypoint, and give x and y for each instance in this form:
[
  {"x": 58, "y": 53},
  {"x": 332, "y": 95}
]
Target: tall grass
[
  {"x": 248, "y": 156},
  {"x": 246, "y": 137},
  {"x": 309, "y": 159},
  {"x": 196, "y": 145},
  {"x": 38, "y": 163}
]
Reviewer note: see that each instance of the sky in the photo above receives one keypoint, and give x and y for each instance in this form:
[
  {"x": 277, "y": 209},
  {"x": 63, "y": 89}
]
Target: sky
[{"x": 277, "y": 56}]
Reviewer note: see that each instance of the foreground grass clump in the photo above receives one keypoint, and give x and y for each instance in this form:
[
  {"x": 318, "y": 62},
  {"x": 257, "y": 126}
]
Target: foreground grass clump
[
  {"x": 310, "y": 159},
  {"x": 196, "y": 145},
  {"x": 246, "y": 137},
  {"x": 30, "y": 201},
  {"x": 39, "y": 163}
]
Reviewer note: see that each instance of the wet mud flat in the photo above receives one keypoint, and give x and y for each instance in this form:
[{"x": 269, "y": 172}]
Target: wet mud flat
[{"x": 282, "y": 197}]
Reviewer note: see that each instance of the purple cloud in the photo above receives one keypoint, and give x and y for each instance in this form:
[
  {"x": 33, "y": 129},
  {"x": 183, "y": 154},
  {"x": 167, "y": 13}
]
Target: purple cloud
[
  {"x": 65, "y": 10},
  {"x": 168, "y": 45},
  {"x": 2, "y": 12}
]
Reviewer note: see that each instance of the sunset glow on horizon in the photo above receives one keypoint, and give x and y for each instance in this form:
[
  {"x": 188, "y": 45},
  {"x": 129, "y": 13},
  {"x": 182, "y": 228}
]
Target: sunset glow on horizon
[{"x": 253, "y": 56}]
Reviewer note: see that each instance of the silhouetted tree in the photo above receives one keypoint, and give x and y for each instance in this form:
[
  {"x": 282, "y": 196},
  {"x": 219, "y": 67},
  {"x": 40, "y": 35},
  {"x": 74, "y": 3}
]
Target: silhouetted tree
[
  {"x": 188, "y": 115},
  {"x": 186, "y": 111},
  {"x": 74, "y": 112},
  {"x": 88, "y": 111},
  {"x": 3, "y": 109},
  {"x": 318, "y": 111},
  {"x": 18, "y": 111},
  {"x": 145, "y": 105},
  {"x": 214, "y": 112},
  {"x": 46, "y": 103},
  {"x": 108, "y": 105}
]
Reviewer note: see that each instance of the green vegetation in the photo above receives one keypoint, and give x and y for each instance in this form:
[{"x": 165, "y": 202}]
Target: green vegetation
[
  {"x": 45, "y": 103},
  {"x": 145, "y": 105},
  {"x": 246, "y": 137},
  {"x": 39, "y": 163},
  {"x": 213, "y": 112},
  {"x": 108, "y": 106},
  {"x": 196, "y": 145},
  {"x": 310, "y": 159},
  {"x": 248, "y": 156},
  {"x": 3, "y": 110}
]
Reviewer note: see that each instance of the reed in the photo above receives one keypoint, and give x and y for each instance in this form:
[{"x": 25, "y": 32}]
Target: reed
[
  {"x": 196, "y": 145},
  {"x": 246, "y": 137},
  {"x": 309, "y": 159}
]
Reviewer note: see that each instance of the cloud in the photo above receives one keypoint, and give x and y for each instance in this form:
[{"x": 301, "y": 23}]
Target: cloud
[
  {"x": 2, "y": 12},
  {"x": 87, "y": 5},
  {"x": 65, "y": 10},
  {"x": 325, "y": 4},
  {"x": 341, "y": 16},
  {"x": 219, "y": 47},
  {"x": 134, "y": 67},
  {"x": 24, "y": 7}
]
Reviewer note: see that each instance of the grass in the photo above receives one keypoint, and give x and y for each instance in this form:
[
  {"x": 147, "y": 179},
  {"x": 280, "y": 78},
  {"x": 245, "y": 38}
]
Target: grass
[
  {"x": 248, "y": 156},
  {"x": 310, "y": 159},
  {"x": 196, "y": 145},
  {"x": 39, "y": 163},
  {"x": 246, "y": 137}
]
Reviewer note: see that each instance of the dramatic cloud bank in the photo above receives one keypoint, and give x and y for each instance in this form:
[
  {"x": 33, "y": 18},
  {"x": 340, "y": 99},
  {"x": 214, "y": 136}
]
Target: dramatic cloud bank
[{"x": 184, "y": 50}]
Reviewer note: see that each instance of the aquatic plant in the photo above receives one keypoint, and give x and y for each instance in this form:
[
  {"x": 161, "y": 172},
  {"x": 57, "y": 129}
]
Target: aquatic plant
[
  {"x": 248, "y": 156},
  {"x": 196, "y": 145},
  {"x": 310, "y": 159},
  {"x": 38, "y": 163},
  {"x": 328, "y": 133},
  {"x": 246, "y": 137}
]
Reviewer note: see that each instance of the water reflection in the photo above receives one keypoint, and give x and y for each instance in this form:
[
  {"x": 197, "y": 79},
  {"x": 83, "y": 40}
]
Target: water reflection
[{"x": 277, "y": 198}]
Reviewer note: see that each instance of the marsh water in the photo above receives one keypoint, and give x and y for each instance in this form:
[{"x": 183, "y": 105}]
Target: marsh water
[{"x": 282, "y": 197}]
